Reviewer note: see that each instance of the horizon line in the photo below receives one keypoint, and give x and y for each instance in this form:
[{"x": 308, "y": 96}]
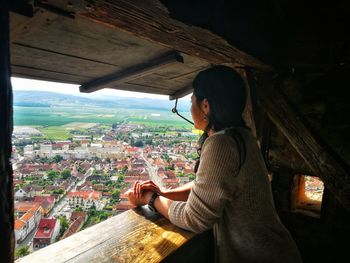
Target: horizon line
[{"x": 72, "y": 89}]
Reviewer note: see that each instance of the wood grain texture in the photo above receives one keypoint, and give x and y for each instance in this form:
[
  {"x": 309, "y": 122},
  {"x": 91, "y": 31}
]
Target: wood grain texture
[
  {"x": 147, "y": 20},
  {"x": 134, "y": 72},
  {"x": 128, "y": 237},
  {"x": 78, "y": 50},
  {"x": 322, "y": 160}
]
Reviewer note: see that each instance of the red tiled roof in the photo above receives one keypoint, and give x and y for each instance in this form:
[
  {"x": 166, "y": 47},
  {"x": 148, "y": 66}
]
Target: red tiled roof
[
  {"x": 45, "y": 228},
  {"x": 40, "y": 199},
  {"x": 131, "y": 149},
  {"x": 76, "y": 214},
  {"x": 29, "y": 213},
  {"x": 86, "y": 194},
  {"x": 19, "y": 224},
  {"x": 26, "y": 206}
]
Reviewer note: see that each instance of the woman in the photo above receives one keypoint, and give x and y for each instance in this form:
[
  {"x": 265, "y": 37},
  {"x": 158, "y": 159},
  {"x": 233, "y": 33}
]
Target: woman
[{"x": 232, "y": 192}]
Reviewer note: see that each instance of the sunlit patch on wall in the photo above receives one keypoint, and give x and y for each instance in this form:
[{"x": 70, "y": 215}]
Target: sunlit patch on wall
[{"x": 307, "y": 195}]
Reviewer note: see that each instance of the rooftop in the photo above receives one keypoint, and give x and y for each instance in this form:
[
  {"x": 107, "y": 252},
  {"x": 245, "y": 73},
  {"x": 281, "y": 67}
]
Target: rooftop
[{"x": 45, "y": 228}]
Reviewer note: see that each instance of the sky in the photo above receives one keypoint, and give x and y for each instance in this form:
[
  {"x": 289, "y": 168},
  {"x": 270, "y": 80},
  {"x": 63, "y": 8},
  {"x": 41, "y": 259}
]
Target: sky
[{"x": 29, "y": 84}]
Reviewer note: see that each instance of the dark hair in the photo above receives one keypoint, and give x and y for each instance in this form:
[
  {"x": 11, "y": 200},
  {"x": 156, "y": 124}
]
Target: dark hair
[{"x": 225, "y": 91}]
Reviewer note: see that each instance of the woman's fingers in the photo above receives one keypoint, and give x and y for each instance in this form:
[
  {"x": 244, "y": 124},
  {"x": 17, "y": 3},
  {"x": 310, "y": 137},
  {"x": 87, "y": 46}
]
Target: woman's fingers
[
  {"x": 140, "y": 186},
  {"x": 136, "y": 188},
  {"x": 149, "y": 185}
]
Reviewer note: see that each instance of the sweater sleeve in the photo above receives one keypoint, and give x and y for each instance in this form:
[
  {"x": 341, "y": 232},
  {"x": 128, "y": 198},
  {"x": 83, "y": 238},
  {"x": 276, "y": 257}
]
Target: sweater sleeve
[{"x": 213, "y": 187}]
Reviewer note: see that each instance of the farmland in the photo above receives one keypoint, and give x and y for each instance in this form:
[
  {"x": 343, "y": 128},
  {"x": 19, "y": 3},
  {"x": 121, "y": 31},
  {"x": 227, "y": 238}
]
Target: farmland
[
  {"x": 56, "y": 122},
  {"x": 57, "y": 116}
]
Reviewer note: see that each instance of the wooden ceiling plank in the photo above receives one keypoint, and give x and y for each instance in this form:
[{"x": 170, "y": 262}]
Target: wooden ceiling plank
[
  {"x": 181, "y": 93},
  {"x": 323, "y": 161},
  {"x": 47, "y": 75},
  {"x": 131, "y": 73},
  {"x": 142, "y": 88},
  {"x": 146, "y": 20},
  {"x": 52, "y": 61}
]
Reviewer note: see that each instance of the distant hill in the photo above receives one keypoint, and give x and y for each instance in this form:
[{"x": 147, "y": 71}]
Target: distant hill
[{"x": 34, "y": 98}]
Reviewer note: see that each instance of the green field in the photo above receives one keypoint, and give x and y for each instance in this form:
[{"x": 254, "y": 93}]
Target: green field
[
  {"x": 54, "y": 117},
  {"x": 55, "y": 132}
]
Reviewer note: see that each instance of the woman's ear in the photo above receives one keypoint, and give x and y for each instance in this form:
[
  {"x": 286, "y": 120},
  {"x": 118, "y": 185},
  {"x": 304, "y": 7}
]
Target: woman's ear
[{"x": 205, "y": 107}]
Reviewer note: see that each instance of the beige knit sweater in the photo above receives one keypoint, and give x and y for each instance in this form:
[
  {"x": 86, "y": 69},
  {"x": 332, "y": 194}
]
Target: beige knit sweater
[{"x": 237, "y": 204}]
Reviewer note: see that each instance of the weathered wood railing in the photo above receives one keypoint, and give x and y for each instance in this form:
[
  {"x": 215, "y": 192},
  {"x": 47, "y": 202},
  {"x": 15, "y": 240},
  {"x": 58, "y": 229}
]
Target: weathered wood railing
[{"x": 133, "y": 236}]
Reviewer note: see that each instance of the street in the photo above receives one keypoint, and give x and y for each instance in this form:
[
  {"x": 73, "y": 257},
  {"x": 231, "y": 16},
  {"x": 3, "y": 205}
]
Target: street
[{"x": 153, "y": 173}]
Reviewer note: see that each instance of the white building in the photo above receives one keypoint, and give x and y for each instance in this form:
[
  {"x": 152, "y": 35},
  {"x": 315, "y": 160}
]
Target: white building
[
  {"x": 29, "y": 215},
  {"x": 45, "y": 150},
  {"x": 23, "y": 193},
  {"x": 85, "y": 200}
]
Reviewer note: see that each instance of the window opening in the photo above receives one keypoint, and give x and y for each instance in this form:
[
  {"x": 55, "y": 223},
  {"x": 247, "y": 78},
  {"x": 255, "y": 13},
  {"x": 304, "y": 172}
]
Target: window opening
[
  {"x": 74, "y": 165},
  {"x": 307, "y": 195}
]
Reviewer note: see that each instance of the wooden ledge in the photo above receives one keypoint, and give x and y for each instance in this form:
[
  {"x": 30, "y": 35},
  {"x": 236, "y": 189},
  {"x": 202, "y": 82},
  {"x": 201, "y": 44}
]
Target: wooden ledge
[{"x": 133, "y": 236}]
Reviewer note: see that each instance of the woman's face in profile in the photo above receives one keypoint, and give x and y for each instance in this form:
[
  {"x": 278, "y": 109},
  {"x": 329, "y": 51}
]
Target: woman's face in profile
[{"x": 199, "y": 110}]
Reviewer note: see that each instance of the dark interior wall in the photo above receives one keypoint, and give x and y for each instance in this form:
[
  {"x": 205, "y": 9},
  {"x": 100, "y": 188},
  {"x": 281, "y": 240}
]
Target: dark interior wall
[
  {"x": 253, "y": 26},
  {"x": 314, "y": 31},
  {"x": 302, "y": 35},
  {"x": 6, "y": 125}
]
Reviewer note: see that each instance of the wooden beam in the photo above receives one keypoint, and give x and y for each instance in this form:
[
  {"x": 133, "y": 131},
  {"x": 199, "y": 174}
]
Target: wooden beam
[
  {"x": 149, "y": 20},
  {"x": 133, "y": 236},
  {"x": 181, "y": 93},
  {"x": 131, "y": 73},
  {"x": 6, "y": 126},
  {"x": 322, "y": 160}
]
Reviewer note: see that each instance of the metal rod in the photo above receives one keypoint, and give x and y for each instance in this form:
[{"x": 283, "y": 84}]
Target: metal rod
[{"x": 174, "y": 110}]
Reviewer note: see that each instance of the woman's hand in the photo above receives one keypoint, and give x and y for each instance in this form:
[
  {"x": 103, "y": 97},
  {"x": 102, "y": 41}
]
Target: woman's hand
[
  {"x": 138, "y": 201},
  {"x": 141, "y": 186}
]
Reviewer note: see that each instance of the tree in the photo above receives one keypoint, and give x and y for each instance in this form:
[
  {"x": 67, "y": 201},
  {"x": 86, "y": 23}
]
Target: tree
[
  {"x": 92, "y": 209},
  {"x": 192, "y": 177},
  {"x": 51, "y": 175},
  {"x": 57, "y": 158},
  {"x": 97, "y": 159},
  {"x": 125, "y": 169},
  {"x": 64, "y": 224},
  {"x": 121, "y": 178},
  {"x": 65, "y": 174},
  {"x": 116, "y": 194},
  {"x": 181, "y": 174},
  {"x": 149, "y": 142},
  {"x": 95, "y": 173},
  {"x": 23, "y": 251},
  {"x": 170, "y": 167},
  {"x": 103, "y": 216},
  {"x": 138, "y": 144},
  {"x": 44, "y": 160},
  {"x": 166, "y": 157},
  {"x": 59, "y": 191}
]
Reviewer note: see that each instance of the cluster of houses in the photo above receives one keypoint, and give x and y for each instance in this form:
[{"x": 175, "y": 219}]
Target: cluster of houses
[
  {"x": 31, "y": 221},
  {"x": 79, "y": 148},
  {"x": 30, "y": 218},
  {"x": 163, "y": 162}
]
